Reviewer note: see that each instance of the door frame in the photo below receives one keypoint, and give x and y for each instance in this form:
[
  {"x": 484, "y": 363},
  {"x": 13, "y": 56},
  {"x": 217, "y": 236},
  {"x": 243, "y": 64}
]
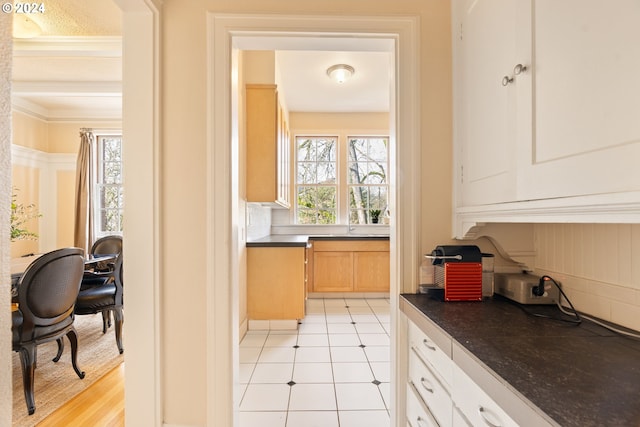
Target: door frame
[
  {"x": 141, "y": 123},
  {"x": 222, "y": 274}
]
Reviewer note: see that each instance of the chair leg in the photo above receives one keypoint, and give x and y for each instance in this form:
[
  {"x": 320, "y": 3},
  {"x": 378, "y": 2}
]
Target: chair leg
[
  {"x": 106, "y": 321},
  {"x": 73, "y": 339},
  {"x": 27, "y": 356},
  {"x": 118, "y": 320},
  {"x": 60, "y": 342}
]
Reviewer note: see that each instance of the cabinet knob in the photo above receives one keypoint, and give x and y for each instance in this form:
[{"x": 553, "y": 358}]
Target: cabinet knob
[
  {"x": 506, "y": 80},
  {"x": 519, "y": 68}
]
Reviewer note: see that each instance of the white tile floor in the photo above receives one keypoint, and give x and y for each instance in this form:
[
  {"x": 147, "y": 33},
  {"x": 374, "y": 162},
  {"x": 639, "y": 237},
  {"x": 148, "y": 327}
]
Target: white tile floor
[{"x": 333, "y": 372}]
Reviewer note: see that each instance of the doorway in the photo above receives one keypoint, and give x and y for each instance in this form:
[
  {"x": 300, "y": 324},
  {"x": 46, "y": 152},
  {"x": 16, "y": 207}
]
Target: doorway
[
  {"x": 340, "y": 352},
  {"x": 225, "y": 31}
]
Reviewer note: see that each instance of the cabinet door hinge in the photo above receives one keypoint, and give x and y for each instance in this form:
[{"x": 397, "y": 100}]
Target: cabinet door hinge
[
  {"x": 460, "y": 32},
  {"x": 461, "y": 174}
]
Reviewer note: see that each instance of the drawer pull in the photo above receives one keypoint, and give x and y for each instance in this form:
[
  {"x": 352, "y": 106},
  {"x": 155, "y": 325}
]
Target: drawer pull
[
  {"x": 486, "y": 415},
  {"x": 426, "y": 344},
  {"x": 426, "y": 385},
  {"x": 421, "y": 422}
]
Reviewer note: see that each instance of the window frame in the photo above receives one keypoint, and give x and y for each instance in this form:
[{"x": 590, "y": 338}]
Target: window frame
[
  {"x": 98, "y": 182},
  {"x": 342, "y": 182},
  {"x": 316, "y": 185},
  {"x": 368, "y": 211}
]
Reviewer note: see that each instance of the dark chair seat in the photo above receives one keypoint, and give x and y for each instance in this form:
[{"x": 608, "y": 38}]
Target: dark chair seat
[
  {"x": 91, "y": 279},
  {"x": 94, "y": 298},
  {"x": 42, "y": 333}
]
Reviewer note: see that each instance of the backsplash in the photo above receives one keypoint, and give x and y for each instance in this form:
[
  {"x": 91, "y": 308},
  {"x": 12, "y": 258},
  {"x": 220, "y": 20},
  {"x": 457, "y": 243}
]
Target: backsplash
[
  {"x": 258, "y": 221},
  {"x": 598, "y": 265}
]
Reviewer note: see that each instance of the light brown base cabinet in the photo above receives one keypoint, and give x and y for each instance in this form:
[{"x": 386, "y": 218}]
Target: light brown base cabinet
[
  {"x": 350, "y": 266},
  {"x": 276, "y": 283}
]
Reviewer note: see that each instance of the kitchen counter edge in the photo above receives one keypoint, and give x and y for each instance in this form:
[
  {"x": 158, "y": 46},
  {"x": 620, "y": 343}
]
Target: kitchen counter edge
[{"x": 278, "y": 241}]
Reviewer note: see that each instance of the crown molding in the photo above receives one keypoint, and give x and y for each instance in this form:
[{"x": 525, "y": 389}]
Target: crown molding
[
  {"x": 71, "y": 46},
  {"x": 36, "y": 111},
  {"x": 66, "y": 88}
]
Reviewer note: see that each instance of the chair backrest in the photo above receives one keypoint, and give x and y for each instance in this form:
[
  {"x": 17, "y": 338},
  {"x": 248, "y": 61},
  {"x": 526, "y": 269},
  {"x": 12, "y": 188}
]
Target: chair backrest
[
  {"x": 48, "y": 289},
  {"x": 107, "y": 245}
]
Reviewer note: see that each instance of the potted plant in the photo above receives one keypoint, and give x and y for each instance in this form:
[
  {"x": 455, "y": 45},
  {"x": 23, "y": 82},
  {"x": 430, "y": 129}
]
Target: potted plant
[
  {"x": 20, "y": 215},
  {"x": 374, "y": 215}
]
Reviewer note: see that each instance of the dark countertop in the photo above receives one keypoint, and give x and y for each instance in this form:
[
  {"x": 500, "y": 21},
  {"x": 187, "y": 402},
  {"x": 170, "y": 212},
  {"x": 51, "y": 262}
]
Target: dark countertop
[
  {"x": 350, "y": 237},
  {"x": 579, "y": 376},
  {"x": 279, "y": 240}
]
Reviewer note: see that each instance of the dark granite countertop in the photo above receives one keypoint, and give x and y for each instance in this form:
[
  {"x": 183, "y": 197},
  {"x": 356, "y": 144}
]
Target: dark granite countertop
[
  {"x": 279, "y": 240},
  {"x": 579, "y": 376},
  {"x": 349, "y": 237}
]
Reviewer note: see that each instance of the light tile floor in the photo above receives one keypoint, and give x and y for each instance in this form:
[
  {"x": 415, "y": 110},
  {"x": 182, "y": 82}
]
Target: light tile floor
[{"x": 333, "y": 372}]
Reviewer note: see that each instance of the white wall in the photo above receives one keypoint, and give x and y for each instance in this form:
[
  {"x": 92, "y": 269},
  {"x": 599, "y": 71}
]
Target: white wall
[{"x": 598, "y": 265}]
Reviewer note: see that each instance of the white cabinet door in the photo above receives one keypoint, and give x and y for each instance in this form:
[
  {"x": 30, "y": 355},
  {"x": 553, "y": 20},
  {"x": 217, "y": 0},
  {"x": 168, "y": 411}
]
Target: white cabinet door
[
  {"x": 585, "y": 112},
  {"x": 485, "y": 52}
]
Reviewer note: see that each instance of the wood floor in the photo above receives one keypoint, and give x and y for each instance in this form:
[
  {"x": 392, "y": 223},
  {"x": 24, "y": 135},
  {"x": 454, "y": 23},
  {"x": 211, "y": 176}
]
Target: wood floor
[{"x": 101, "y": 405}]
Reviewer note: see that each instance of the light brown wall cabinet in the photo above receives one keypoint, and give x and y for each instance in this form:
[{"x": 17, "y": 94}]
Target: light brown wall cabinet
[
  {"x": 350, "y": 266},
  {"x": 276, "y": 283},
  {"x": 268, "y": 146}
]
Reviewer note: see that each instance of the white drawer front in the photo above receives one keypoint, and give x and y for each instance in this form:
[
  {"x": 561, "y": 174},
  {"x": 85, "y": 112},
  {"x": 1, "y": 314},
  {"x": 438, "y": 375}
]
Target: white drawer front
[
  {"x": 431, "y": 353},
  {"x": 430, "y": 389},
  {"x": 417, "y": 414},
  {"x": 459, "y": 419},
  {"x": 476, "y": 405}
]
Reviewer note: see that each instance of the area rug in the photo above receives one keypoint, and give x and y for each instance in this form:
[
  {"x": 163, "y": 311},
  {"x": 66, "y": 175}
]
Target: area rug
[{"x": 56, "y": 383}]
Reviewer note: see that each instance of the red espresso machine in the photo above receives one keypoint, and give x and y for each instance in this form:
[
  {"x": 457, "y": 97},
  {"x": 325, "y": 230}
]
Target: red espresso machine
[{"x": 458, "y": 270}]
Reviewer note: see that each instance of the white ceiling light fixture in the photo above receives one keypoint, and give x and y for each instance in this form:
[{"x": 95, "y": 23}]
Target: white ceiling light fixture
[{"x": 340, "y": 72}]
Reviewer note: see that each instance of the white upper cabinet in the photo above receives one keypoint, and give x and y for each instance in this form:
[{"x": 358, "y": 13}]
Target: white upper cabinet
[{"x": 547, "y": 111}]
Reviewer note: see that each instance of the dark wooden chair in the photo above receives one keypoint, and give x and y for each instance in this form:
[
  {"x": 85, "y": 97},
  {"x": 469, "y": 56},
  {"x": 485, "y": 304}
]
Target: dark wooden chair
[
  {"x": 47, "y": 294},
  {"x": 103, "y": 272},
  {"x": 105, "y": 298}
]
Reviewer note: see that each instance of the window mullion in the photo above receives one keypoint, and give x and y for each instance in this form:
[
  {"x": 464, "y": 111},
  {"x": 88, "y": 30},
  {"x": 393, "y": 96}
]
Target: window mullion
[{"x": 343, "y": 187}]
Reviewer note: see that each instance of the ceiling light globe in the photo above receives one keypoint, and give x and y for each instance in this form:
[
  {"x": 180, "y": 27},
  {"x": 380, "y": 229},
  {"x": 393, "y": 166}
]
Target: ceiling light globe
[{"x": 340, "y": 72}]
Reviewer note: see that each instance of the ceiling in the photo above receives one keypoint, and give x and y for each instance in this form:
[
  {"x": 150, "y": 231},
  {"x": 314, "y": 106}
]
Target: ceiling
[{"x": 73, "y": 69}]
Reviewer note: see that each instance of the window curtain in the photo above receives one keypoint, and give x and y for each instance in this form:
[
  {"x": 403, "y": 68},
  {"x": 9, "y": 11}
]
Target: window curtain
[{"x": 83, "y": 229}]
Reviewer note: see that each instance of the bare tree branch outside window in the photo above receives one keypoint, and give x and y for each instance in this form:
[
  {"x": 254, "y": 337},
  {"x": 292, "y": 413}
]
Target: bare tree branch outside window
[
  {"x": 316, "y": 183},
  {"x": 367, "y": 179},
  {"x": 318, "y": 190},
  {"x": 109, "y": 185}
]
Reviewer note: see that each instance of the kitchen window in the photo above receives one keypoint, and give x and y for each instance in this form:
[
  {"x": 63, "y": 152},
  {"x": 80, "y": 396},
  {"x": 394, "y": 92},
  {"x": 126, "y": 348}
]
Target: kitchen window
[
  {"x": 341, "y": 181},
  {"x": 109, "y": 197}
]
